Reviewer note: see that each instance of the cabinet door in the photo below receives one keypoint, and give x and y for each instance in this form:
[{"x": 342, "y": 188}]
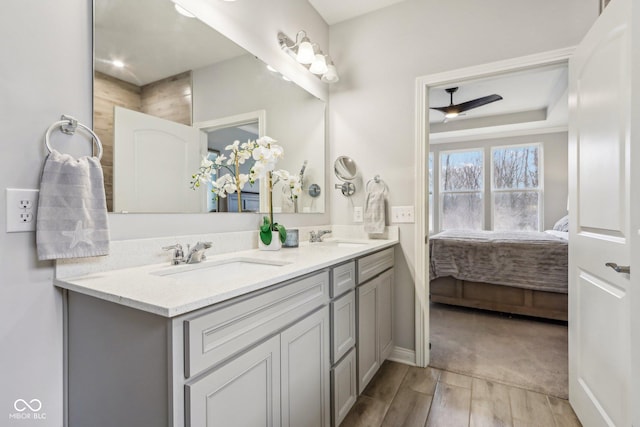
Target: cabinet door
[
  {"x": 384, "y": 282},
  {"x": 367, "y": 345},
  {"x": 244, "y": 392},
  {"x": 343, "y": 325},
  {"x": 306, "y": 372},
  {"x": 344, "y": 387}
]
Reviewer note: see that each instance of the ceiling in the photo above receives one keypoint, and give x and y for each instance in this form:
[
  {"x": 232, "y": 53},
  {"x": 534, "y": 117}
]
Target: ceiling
[
  {"x": 153, "y": 41},
  {"x": 532, "y": 99},
  {"x": 334, "y": 11}
]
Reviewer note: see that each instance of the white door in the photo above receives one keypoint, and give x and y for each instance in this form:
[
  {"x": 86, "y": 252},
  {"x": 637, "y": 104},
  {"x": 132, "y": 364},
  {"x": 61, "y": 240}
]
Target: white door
[
  {"x": 154, "y": 160},
  {"x": 601, "y": 209}
]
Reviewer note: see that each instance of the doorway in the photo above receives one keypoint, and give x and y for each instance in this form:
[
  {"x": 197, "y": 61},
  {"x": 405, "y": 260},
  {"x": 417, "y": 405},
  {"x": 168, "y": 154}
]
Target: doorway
[{"x": 422, "y": 148}]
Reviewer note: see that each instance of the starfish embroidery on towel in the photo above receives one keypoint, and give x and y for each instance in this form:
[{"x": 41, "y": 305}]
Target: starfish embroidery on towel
[{"x": 78, "y": 235}]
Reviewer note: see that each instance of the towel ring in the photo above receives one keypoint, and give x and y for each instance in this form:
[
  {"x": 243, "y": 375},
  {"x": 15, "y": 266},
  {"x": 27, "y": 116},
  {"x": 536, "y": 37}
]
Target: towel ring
[
  {"x": 69, "y": 125},
  {"x": 376, "y": 180}
]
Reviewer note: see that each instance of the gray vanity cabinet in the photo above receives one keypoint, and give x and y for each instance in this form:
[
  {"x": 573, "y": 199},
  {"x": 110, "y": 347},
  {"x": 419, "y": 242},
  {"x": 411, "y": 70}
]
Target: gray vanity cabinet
[
  {"x": 375, "y": 313},
  {"x": 262, "y": 359},
  {"x": 344, "y": 389}
]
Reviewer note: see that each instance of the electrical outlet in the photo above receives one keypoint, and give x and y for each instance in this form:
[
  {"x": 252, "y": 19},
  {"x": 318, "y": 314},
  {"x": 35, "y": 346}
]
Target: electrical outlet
[
  {"x": 21, "y": 209},
  {"x": 26, "y": 217},
  {"x": 402, "y": 214},
  {"x": 357, "y": 214}
]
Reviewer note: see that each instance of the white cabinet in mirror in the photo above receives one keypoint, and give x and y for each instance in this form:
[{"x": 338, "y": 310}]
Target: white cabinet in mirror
[{"x": 168, "y": 90}]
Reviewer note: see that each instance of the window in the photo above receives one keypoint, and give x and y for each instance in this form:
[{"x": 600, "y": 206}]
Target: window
[
  {"x": 516, "y": 187},
  {"x": 461, "y": 190},
  {"x": 511, "y": 181}
]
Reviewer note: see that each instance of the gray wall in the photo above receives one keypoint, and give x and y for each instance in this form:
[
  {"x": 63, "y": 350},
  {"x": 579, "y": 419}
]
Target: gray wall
[
  {"x": 554, "y": 166},
  {"x": 46, "y": 71},
  {"x": 380, "y": 55}
]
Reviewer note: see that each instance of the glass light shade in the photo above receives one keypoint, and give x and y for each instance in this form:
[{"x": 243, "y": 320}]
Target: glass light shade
[
  {"x": 182, "y": 11},
  {"x": 319, "y": 65},
  {"x": 305, "y": 52},
  {"x": 331, "y": 76},
  {"x": 451, "y": 114}
]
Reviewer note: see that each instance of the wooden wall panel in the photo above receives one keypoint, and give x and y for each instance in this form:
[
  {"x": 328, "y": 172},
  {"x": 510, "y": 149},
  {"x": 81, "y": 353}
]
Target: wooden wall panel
[
  {"x": 107, "y": 93},
  {"x": 169, "y": 98}
]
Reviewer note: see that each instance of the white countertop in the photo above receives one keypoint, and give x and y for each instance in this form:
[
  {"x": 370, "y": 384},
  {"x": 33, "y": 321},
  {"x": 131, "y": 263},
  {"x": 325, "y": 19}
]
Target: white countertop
[{"x": 139, "y": 288}]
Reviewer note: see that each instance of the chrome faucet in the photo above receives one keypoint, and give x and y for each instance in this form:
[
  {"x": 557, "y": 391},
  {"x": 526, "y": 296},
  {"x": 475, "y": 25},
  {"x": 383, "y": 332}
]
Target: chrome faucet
[
  {"x": 317, "y": 237},
  {"x": 196, "y": 254},
  {"x": 178, "y": 254}
]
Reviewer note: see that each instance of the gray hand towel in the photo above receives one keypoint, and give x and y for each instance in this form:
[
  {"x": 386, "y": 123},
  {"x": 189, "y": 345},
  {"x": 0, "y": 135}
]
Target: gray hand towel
[
  {"x": 374, "y": 213},
  {"x": 72, "y": 210}
]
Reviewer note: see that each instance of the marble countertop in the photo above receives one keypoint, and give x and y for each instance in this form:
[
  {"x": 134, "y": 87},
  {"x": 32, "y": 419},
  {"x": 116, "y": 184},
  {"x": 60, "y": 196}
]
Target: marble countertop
[{"x": 142, "y": 288}]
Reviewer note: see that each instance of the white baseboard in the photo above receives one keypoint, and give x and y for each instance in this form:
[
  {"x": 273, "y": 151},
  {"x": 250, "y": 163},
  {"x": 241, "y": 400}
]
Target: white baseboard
[{"x": 403, "y": 355}]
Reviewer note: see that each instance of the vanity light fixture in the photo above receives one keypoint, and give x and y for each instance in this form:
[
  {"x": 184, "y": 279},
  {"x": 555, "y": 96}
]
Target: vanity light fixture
[{"x": 310, "y": 55}]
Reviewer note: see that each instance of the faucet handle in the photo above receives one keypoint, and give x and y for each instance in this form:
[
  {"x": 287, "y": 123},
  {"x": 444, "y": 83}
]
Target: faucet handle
[{"x": 178, "y": 254}]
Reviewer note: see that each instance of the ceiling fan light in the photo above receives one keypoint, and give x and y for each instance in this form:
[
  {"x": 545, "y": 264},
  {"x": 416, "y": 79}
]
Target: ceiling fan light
[
  {"x": 451, "y": 114},
  {"x": 305, "y": 54},
  {"x": 319, "y": 65}
]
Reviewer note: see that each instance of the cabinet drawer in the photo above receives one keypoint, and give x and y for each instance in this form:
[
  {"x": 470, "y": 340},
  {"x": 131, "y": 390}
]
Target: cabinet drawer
[
  {"x": 343, "y": 325},
  {"x": 218, "y": 334},
  {"x": 344, "y": 390},
  {"x": 343, "y": 278},
  {"x": 374, "y": 264}
]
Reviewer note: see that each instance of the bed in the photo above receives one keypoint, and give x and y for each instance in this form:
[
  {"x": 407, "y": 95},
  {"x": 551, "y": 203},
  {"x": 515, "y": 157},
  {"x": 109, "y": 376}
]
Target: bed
[{"x": 513, "y": 272}]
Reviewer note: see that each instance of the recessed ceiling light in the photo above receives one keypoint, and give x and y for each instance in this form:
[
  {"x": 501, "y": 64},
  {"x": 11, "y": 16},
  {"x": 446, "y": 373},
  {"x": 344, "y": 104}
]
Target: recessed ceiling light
[
  {"x": 117, "y": 63},
  {"x": 182, "y": 11},
  {"x": 285, "y": 78},
  {"x": 270, "y": 68}
]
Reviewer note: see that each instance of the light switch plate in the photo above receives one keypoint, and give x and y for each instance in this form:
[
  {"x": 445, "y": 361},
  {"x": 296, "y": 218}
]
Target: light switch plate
[
  {"x": 357, "y": 214},
  {"x": 21, "y": 209},
  {"x": 402, "y": 214}
]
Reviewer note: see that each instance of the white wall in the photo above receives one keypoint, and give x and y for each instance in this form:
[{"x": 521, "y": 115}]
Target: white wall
[
  {"x": 554, "y": 167},
  {"x": 45, "y": 72},
  {"x": 380, "y": 55}
]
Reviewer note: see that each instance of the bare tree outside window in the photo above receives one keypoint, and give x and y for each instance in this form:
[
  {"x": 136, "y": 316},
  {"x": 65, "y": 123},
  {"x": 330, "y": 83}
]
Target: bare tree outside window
[
  {"x": 461, "y": 183},
  {"x": 516, "y": 187}
]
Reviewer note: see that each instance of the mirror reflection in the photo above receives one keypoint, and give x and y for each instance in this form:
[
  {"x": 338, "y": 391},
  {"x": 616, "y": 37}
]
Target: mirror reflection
[{"x": 168, "y": 91}]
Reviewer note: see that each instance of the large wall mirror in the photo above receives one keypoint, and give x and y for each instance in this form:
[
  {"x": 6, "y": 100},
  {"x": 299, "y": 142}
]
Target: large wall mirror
[{"x": 169, "y": 89}]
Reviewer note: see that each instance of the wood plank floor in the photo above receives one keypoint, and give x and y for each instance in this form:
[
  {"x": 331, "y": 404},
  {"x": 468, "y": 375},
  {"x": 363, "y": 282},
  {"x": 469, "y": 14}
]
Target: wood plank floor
[{"x": 401, "y": 395}]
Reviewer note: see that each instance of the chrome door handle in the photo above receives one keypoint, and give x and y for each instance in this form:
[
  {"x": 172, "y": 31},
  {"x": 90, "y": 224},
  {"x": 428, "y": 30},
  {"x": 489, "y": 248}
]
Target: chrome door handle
[{"x": 619, "y": 268}]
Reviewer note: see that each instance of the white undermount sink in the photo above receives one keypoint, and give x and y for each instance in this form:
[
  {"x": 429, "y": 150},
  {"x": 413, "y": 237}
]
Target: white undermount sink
[
  {"x": 342, "y": 243},
  {"x": 227, "y": 269}
]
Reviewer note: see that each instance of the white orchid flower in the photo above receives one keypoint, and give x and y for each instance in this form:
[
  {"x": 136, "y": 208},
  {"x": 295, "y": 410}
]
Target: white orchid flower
[
  {"x": 220, "y": 159},
  {"x": 233, "y": 147},
  {"x": 206, "y": 163}
]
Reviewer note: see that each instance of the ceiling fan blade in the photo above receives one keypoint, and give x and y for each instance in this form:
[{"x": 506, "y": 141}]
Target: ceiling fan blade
[
  {"x": 479, "y": 102},
  {"x": 442, "y": 109}
]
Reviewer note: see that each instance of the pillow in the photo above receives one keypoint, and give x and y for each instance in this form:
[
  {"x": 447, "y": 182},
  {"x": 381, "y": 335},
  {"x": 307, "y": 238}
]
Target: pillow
[{"x": 562, "y": 224}]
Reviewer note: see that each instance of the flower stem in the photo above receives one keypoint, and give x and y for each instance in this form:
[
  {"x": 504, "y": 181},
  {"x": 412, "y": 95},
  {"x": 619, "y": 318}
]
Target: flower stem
[
  {"x": 270, "y": 195},
  {"x": 238, "y": 184}
]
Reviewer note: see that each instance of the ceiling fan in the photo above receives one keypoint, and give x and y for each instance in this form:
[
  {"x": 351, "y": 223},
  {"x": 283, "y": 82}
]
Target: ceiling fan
[{"x": 454, "y": 110}]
